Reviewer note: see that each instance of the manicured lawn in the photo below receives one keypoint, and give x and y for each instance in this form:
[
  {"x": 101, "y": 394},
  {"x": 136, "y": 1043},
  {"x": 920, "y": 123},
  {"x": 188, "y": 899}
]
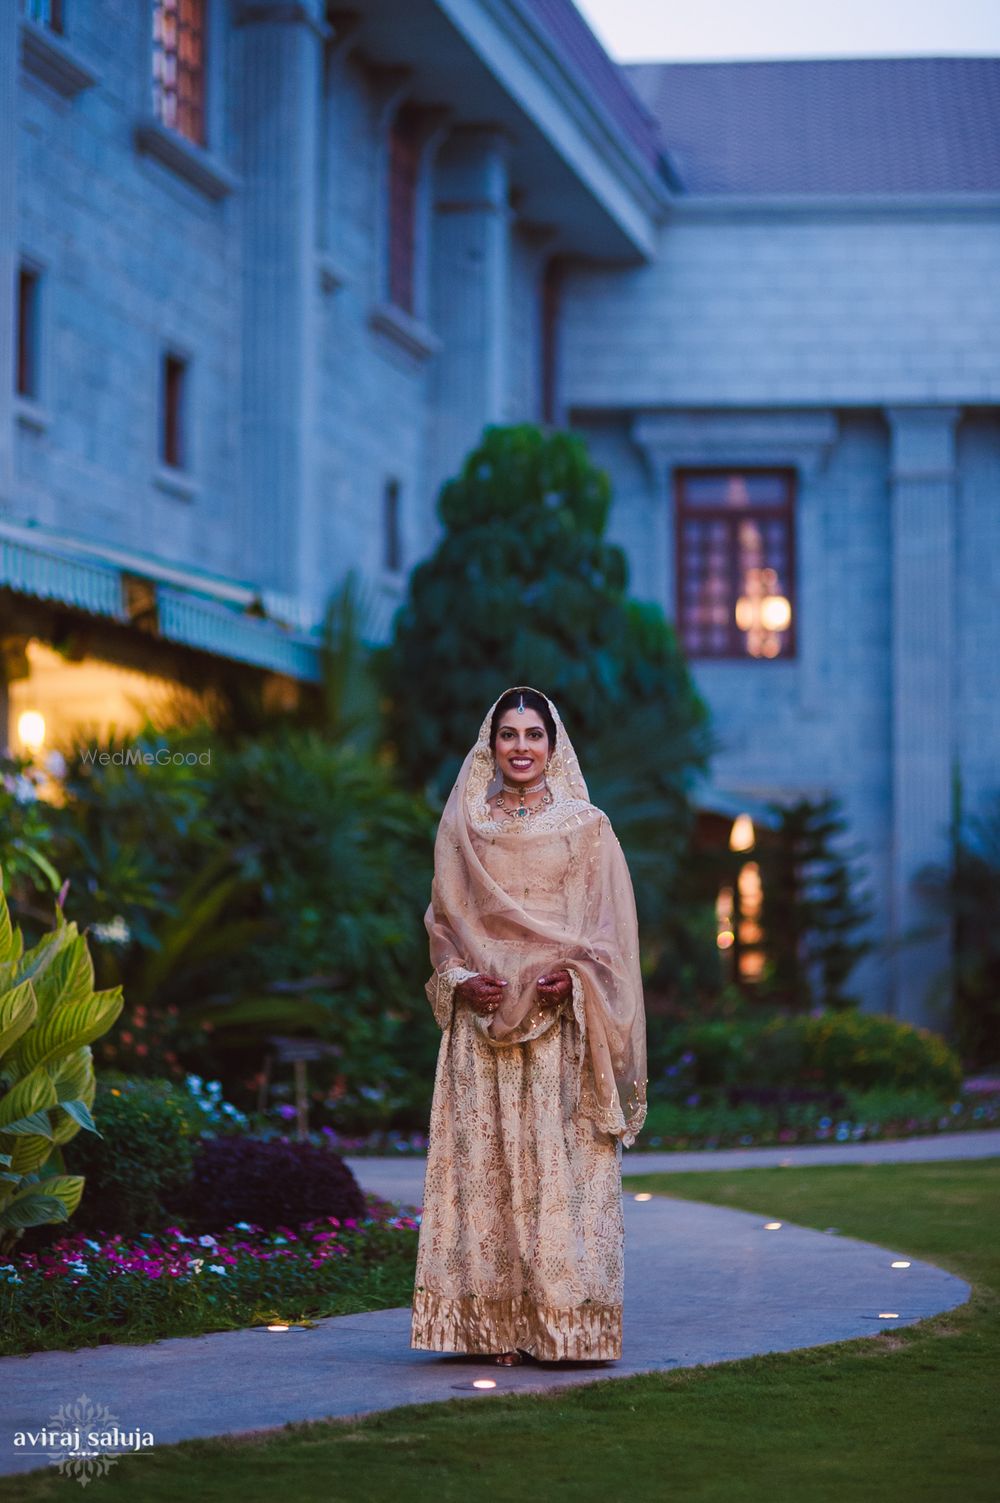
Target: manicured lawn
[{"x": 908, "y": 1416}]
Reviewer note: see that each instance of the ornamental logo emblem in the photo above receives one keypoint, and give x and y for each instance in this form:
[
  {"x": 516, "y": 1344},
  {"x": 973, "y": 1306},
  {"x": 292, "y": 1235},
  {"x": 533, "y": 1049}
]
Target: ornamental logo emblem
[{"x": 83, "y": 1440}]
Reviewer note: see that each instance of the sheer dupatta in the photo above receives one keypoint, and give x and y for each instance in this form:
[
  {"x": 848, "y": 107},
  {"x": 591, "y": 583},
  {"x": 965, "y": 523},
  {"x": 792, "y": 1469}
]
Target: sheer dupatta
[{"x": 522, "y": 897}]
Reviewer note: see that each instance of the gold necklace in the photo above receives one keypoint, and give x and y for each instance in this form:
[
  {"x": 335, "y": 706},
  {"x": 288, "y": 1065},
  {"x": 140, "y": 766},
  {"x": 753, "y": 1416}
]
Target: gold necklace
[{"x": 524, "y": 811}]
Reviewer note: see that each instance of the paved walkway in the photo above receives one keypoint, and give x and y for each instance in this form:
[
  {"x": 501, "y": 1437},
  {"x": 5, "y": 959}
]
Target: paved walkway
[
  {"x": 704, "y": 1284},
  {"x": 402, "y": 1178}
]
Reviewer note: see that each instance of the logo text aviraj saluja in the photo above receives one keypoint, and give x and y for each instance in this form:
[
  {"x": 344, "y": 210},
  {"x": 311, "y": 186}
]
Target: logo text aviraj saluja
[{"x": 78, "y": 1441}]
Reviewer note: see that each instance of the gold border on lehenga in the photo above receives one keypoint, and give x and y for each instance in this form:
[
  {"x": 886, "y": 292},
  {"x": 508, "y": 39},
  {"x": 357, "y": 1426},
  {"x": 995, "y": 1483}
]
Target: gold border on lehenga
[{"x": 478, "y": 1325}]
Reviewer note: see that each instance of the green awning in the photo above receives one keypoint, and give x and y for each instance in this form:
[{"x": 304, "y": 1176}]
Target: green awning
[
  {"x": 183, "y": 616},
  {"x": 89, "y": 586},
  {"x": 198, "y": 622}
]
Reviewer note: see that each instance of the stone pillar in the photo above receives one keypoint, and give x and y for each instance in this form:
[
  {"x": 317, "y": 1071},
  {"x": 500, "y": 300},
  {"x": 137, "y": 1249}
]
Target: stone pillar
[
  {"x": 470, "y": 292},
  {"x": 9, "y": 56},
  {"x": 280, "y": 74},
  {"x": 922, "y": 489}
]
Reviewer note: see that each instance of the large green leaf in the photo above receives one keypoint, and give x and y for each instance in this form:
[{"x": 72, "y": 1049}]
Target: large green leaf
[
  {"x": 53, "y": 1199},
  {"x": 31, "y": 1153},
  {"x": 68, "y": 978},
  {"x": 80, "y": 1113},
  {"x": 23, "y": 1109},
  {"x": 18, "y": 1010},
  {"x": 41, "y": 955},
  {"x": 70, "y": 1026},
  {"x": 9, "y": 938},
  {"x": 73, "y": 1075}
]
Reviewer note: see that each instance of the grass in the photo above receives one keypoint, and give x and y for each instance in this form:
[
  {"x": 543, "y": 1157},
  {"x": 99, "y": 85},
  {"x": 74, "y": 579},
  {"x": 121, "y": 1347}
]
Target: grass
[{"x": 907, "y": 1416}]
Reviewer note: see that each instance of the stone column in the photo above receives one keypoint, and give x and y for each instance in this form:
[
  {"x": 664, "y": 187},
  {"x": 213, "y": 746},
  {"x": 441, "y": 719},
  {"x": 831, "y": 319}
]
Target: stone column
[
  {"x": 9, "y": 55},
  {"x": 922, "y": 490},
  {"x": 470, "y": 292},
  {"x": 280, "y": 73}
]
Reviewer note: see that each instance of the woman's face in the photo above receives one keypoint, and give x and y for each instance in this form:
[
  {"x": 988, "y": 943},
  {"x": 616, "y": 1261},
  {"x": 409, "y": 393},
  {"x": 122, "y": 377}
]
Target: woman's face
[{"x": 522, "y": 746}]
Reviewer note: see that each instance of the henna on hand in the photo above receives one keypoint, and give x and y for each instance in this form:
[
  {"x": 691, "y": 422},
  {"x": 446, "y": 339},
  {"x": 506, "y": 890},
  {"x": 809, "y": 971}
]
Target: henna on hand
[
  {"x": 554, "y": 987},
  {"x": 483, "y": 993}
]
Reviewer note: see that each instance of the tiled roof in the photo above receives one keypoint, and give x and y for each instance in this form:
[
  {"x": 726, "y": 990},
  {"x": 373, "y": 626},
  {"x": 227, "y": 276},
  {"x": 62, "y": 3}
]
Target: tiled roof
[
  {"x": 602, "y": 78},
  {"x": 851, "y": 126}
]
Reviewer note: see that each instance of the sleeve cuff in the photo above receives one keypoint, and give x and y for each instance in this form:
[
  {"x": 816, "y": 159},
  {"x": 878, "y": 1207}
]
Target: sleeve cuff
[{"x": 440, "y": 991}]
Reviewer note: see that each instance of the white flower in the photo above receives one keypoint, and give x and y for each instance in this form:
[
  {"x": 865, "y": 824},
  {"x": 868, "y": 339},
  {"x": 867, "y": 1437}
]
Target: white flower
[
  {"x": 117, "y": 932},
  {"x": 216, "y": 1268},
  {"x": 196, "y": 1265},
  {"x": 90, "y": 1243},
  {"x": 207, "y": 1241},
  {"x": 241, "y": 1226}
]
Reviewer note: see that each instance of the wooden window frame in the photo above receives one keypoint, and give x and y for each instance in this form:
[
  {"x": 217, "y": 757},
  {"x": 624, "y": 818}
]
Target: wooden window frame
[
  {"x": 29, "y": 291},
  {"x": 392, "y": 531},
  {"x": 735, "y": 650},
  {"x": 181, "y": 105},
  {"x": 404, "y": 175},
  {"x": 175, "y": 377}
]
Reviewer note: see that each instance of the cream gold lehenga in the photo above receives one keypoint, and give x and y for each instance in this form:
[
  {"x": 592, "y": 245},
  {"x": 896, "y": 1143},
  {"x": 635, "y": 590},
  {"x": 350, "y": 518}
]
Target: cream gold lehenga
[{"x": 521, "y": 1241}]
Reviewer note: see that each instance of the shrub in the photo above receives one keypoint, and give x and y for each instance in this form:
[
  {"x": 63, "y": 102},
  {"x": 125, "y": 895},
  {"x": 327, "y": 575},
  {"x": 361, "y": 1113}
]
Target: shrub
[
  {"x": 269, "y": 1184},
  {"x": 143, "y": 1160},
  {"x": 865, "y": 1050},
  {"x": 832, "y": 1051}
]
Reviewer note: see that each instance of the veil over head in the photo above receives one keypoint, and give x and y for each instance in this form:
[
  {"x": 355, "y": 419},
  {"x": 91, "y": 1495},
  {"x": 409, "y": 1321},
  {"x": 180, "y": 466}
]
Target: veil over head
[{"x": 518, "y": 898}]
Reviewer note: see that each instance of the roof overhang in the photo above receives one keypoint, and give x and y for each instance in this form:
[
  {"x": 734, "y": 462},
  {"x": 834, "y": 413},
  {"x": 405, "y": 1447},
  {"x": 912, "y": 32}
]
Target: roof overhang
[{"x": 493, "y": 62}]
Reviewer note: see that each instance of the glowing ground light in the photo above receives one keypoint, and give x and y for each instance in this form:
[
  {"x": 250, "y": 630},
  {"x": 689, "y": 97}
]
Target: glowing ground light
[
  {"x": 900, "y": 1263},
  {"x": 277, "y": 1328},
  {"x": 644, "y": 1196},
  {"x": 772, "y": 1226},
  {"x": 484, "y": 1383},
  {"x": 888, "y": 1315}
]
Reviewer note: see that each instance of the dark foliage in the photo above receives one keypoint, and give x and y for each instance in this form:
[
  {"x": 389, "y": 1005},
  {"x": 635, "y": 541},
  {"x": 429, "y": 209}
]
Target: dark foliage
[
  {"x": 268, "y": 1183},
  {"x": 524, "y": 587},
  {"x": 141, "y": 1160},
  {"x": 813, "y": 908}
]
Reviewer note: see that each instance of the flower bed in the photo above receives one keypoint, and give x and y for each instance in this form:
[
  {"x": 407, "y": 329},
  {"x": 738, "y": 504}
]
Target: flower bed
[
  {"x": 83, "y": 1291},
  {"x": 706, "y": 1120}
]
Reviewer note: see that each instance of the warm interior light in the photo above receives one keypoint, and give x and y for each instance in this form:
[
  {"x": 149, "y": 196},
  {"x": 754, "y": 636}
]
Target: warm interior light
[
  {"x": 775, "y": 612},
  {"x": 645, "y": 1195},
  {"x": 741, "y": 836},
  {"x": 900, "y": 1263},
  {"x": 724, "y": 939},
  {"x": 483, "y": 1383},
  {"x": 751, "y": 965},
  {"x": 31, "y": 729}
]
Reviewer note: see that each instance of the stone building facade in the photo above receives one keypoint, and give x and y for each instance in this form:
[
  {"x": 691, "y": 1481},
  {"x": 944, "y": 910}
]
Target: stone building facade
[{"x": 273, "y": 264}]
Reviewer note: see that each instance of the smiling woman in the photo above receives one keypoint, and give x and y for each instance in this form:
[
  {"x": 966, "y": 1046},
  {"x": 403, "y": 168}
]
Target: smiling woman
[{"x": 541, "y": 1071}]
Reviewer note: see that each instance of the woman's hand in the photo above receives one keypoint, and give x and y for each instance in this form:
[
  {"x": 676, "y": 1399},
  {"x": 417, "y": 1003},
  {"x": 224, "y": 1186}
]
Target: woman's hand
[
  {"x": 554, "y": 987},
  {"x": 483, "y": 993}
]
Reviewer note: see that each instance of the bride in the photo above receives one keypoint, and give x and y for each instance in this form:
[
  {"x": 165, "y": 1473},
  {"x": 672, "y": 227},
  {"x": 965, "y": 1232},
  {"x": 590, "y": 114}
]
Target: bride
[{"x": 541, "y": 1070}]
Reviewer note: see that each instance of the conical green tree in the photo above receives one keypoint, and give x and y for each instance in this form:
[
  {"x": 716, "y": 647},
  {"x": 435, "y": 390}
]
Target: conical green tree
[{"x": 524, "y": 587}]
